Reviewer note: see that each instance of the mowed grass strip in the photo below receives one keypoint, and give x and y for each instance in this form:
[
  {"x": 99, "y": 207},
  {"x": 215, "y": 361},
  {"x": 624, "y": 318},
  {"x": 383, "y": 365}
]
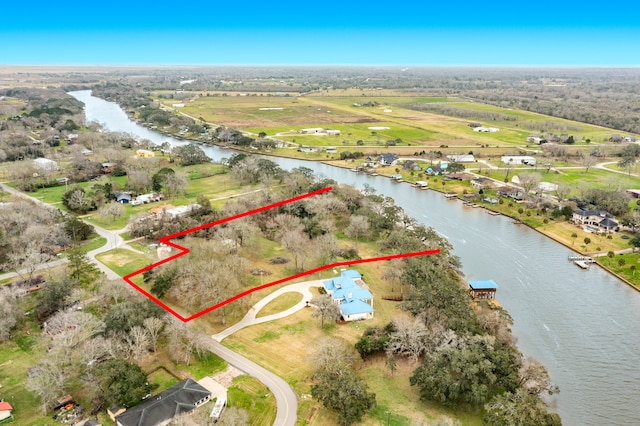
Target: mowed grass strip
[
  {"x": 280, "y": 304},
  {"x": 251, "y": 395},
  {"x": 123, "y": 261}
]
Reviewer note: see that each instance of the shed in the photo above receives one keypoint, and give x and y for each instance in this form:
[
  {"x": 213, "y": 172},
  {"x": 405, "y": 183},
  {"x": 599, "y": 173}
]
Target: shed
[{"x": 483, "y": 289}]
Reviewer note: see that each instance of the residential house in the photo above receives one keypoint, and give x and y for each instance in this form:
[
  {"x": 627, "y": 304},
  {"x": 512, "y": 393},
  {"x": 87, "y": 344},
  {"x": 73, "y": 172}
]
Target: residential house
[
  {"x": 596, "y": 220},
  {"x": 482, "y": 183},
  {"x": 388, "y": 159},
  {"x": 351, "y": 295},
  {"x": 411, "y": 166},
  {"x": 434, "y": 170},
  {"x": 158, "y": 410},
  {"x": 510, "y": 192}
]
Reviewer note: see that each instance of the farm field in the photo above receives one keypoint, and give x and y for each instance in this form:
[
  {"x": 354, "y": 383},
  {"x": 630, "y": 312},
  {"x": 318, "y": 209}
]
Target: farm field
[{"x": 439, "y": 120}]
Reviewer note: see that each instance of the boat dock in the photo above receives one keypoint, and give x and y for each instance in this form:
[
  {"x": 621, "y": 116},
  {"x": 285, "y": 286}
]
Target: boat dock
[
  {"x": 421, "y": 185},
  {"x": 583, "y": 262}
]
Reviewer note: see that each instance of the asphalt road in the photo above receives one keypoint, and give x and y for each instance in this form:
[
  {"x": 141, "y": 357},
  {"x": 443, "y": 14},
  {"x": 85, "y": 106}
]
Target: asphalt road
[{"x": 286, "y": 399}]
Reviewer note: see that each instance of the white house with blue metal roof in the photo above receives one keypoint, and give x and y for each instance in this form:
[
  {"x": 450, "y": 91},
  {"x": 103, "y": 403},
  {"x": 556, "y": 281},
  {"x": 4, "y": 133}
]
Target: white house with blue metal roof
[{"x": 351, "y": 294}]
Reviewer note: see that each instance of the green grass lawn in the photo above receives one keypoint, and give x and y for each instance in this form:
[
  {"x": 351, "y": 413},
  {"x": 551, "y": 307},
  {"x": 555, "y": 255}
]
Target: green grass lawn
[
  {"x": 16, "y": 357},
  {"x": 123, "y": 261},
  {"x": 251, "y": 395},
  {"x": 200, "y": 367}
]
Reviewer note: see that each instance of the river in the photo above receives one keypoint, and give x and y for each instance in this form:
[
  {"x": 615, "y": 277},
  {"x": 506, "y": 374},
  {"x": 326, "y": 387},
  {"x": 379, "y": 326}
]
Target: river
[{"x": 583, "y": 325}]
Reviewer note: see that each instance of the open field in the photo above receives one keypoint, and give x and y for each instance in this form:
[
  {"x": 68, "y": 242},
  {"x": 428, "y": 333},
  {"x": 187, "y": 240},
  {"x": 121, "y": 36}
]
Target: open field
[{"x": 431, "y": 127}]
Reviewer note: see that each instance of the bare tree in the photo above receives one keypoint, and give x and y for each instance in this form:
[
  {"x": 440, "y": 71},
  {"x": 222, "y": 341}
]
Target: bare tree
[
  {"x": 297, "y": 242},
  {"x": 562, "y": 191},
  {"x": 333, "y": 354},
  {"x": 587, "y": 161},
  {"x": 47, "y": 381},
  {"x": 358, "y": 226},
  {"x": 10, "y": 312},
  {"x": 139, "y": 341},
  {"x": 534, "y": 378},
  {"x": 154, "y": 327},
  {"x": 530, "y": 181},
  {"x": 175, "y": 183},
  {"x": 326, "y": 309},
  {"x": 408, "y": 339},
  {"x": 112, "y": 210}
]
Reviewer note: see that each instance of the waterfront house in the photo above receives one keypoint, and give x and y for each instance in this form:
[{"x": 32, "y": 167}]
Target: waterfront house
[
  {"x": 351, "y": 294},
  {"x": 481, "y": 183},
  {"x": 388, "y": 159},
  {"x": 596, "y": 220},
  {"x": 411, "y": 165}
]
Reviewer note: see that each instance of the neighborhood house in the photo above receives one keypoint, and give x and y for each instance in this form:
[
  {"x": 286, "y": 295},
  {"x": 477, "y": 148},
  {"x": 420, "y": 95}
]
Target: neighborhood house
[
  {"x": 351, "y": 295},
  {"x": 388, "y": 159},
  {"x": 595, "y": 220},
  {"x": 158, "y": 410}
]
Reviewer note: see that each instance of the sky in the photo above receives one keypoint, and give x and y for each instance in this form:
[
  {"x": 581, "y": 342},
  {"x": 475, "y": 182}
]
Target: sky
[{"x": 331, "y": 32}]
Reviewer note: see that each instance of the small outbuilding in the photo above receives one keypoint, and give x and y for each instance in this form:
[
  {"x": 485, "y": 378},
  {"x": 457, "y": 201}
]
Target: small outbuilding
[{"x": 483, "y": 289}]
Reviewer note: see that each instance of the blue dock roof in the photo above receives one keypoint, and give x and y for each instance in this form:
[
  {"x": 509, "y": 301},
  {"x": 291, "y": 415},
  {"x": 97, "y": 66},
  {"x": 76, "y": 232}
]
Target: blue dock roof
[{"x": 483, "y": 284}]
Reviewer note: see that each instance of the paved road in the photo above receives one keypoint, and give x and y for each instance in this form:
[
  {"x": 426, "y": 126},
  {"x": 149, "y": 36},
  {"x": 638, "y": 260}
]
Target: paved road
[
  {"x": 250, "y": 318},
  {"x": 286, "y": 399}
]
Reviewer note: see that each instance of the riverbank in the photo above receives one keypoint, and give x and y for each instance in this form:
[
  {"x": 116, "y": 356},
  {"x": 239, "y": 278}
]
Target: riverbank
[{"x": 447, "y": 190}]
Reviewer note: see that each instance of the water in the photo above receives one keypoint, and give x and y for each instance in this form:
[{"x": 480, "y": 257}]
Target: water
[{"x": 582, "y": 325}]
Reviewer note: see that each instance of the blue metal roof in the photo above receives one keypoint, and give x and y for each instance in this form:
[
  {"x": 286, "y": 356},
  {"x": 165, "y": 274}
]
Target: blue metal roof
[
  {"x": 483, "y": 284},
  {"x": 355, "y": 307}
]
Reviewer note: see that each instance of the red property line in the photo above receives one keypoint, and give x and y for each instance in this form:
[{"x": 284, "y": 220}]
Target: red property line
[{"x": 184, "y": 250}]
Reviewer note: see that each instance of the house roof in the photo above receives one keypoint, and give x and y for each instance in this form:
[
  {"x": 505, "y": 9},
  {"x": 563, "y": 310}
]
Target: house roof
[
  {"x": 5, "y": 406},
  {"x": 355, "y": 307},
  {"x": 483, "y": 284},
  {"x": 609, "y": 223},
  {"x": 388, "y": 157},
  {"x": 354, "y": 292},
  {"x": 179, "y": 398}
]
